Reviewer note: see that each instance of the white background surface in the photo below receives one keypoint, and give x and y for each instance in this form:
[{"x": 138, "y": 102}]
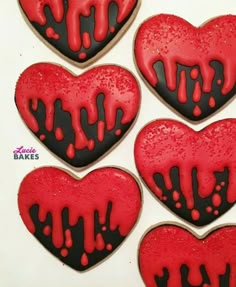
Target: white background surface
[{"x": 23, "y": 261}]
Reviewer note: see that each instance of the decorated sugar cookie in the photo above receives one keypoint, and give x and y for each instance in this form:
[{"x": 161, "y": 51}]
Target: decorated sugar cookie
[
  {"x": 80, "y": 221},
  {"x": 193, "y": 69},
  {"x": 192, "y": 172},
  {"x": 78, "y": 118},
  {"x": 80, "y": 30},
  {"x": 172, "y": 256}
]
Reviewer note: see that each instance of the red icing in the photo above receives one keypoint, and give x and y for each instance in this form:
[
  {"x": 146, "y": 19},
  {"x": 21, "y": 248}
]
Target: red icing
[
  {"x": 218, "y": 188},
  {"x": 35, "y": 13},
  {"x": 171, "y": 247},
  {"x": 216, "y": 200},
  {"x": 64, "y": 252},
  {"x": 209, "y": 209},
  {"x": 70, "y": 152},
  {"x": 68, "y": 239},
  {"x": 84, "y": 259},
  {"x": 47, "y": 230},
  {"x": 118, "y": 132},
  {"x": 50, "y": 32},
  {"x": 86, "y": 40},
  {"x": 109, "y": 247},
  {"x": 176, "y": 195},
  {"x": 59, "y": 134},
  {"x": 195, "y": 214},
  {"x": 173, "y": 40},
  {"x": 182, "y": 92},
  {"x": 112, "y": 29},
  {"x": 34, "y": 104},
  {"x": 194, "y": 73},
  {"x": 56, "y": 190},
  {"x": 164, "y": 144},
  {"x": 178, "y": 205},
  {"x": 100, "y": 245},
  {"x": 42, "y": 137},
  {"x": 216, "y": 212},
  {"x": 197, "y": 111},
  {"x": 76, "y": 92},
  {"x": 212, "y": 102},
  {"x": 197, "y": 92},
  {"x": 91, "y": 144},
  {"x": 82, "y": 56},
  {"x": 101, "y": 131}
]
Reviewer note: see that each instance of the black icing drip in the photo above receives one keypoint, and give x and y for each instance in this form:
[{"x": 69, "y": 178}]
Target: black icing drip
[
  {"x": 62, "y": 119},
  {"x": 87, "y": 25},
  {"x": 73, "y": 259},
  {"x": 200, "y": 203},
  {"x": 186, "y": 109},
  {"x": 184, "y": 270}
]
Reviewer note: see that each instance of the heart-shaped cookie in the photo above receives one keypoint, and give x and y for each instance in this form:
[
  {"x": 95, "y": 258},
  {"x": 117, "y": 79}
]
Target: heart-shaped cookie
[
  {"x": 192, "y": 173},
  {"x": 170, "y": 256},
  {"x": 79, "y": 118},
  {"x": 192, "y": 69},
  {"x": 80, "y": 30},
  {"x": 83, "y": 221}
]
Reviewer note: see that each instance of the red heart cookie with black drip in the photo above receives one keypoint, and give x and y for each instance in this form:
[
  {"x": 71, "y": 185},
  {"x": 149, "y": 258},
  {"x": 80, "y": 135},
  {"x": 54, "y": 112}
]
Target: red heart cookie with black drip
[
  {"x": 78, "y": 118},
  {"x": 170, "y": 256},
  {"x": 83, "y": 221},
  {"x": 80, "y": 30},
  {"x": 192, "y": 69},
  {"x": 192, "y": 173}
]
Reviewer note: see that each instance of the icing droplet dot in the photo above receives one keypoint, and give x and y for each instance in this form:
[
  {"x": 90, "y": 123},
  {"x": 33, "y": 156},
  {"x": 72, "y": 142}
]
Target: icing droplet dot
[
  {"x": 64, "y": 252},
  {"x": 104, "y": 228},
  {"x": 222, "y": 183},
  {"x": 175, "y": 195},
  {"x": 91, "y": 145},
  {"x": 194, "y": 73},
  {"x": 197, "y": 111},
  {"x": 59, "y": 134},
  {"x": 164, "y": 198},
  {"x": 212, "y": 102},
  {"x": 178, "y": 205},
  {"x": 70, "y": 151},
  {"x": 118, "y": 132},
  {"x": 216, "y": 212},
  {"x": 209, "y": 209},
  {"x": 109, "y": 247},
  {"x": 47, "y": 230},
  {"x": 195, "y": 214},
  {"x": 82, "y": 56},
  {"x": 218, "y": 188},
  {"x": 84, "y": 259},
  {"x": 219, "y": 81},
  {"x": 50, "y": 32},
  {"x": 112, "y": 29},
  {"x": 42, "y": 137},
  {"x": 216, "y": 200}
]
